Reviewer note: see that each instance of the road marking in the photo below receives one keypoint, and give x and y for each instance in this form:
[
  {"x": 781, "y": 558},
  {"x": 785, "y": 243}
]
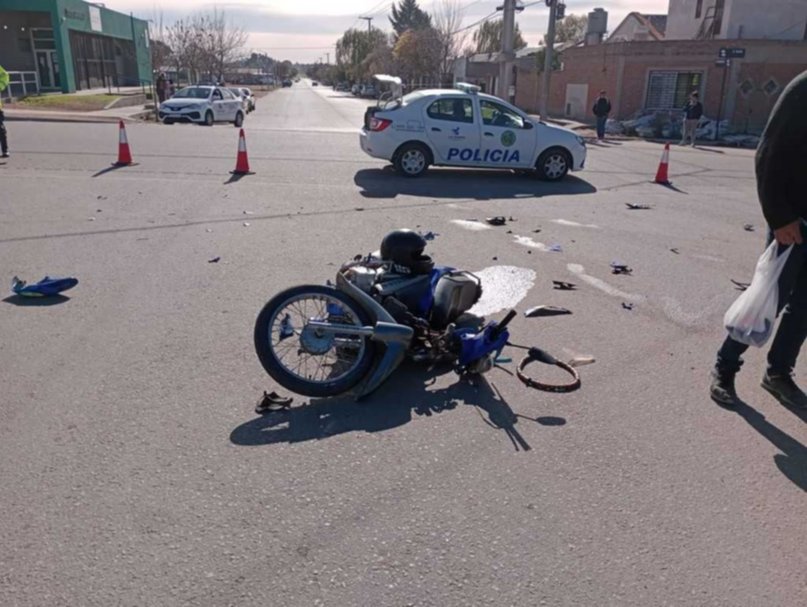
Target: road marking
[
  {"x": 503, "y": 287},
  {"x": 526, "y": 241},
  {"x": 574, "y": 224},
  {"x": 471, "y": 224},
  {"x": 603, "y": 286}
]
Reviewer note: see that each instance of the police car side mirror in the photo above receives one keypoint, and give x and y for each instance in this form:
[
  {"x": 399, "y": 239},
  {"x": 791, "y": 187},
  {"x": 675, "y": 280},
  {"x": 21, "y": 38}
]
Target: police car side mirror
[{"x": 528, "y": 125}]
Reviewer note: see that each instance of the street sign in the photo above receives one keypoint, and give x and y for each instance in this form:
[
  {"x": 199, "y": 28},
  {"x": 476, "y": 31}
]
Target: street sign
[{"x": 731, "y": 53}]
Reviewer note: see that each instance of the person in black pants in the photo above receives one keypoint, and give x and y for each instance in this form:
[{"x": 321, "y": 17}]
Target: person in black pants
[
  {"x": 3, "y": 135},
  {"x": 693, "y": 111},
  {"x": 781, "y": 185},
  {"x": 601, "y": 109}
]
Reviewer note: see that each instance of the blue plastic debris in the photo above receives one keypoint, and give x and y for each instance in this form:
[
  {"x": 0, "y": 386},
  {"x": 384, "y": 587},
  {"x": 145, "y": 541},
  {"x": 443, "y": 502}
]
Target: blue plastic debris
[{"x": 47, "y": 287}]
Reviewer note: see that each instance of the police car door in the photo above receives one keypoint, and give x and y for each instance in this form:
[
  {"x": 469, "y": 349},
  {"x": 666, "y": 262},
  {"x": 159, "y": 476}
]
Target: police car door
[
  {"x": 453, "y": 129},
  {"x": 508, "y": 139}
]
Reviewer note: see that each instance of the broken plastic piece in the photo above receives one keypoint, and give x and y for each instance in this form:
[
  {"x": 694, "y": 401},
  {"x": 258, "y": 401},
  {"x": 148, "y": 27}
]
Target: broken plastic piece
[
  {"x": 564, "y": 286},
  {"x": 546, "y": 311},
  {"x": 581, "y": 361},
  {"x": 214, "y": 260},
  {"x": 246, "y": 224},
  {"x": 496, "y": 221},
  {"x": 638, "y": 207},
  {"x": 676, "y": 251},
  {"x": 430, "y": 236},
  {"x": 272, "y": 401},
  {"x": 620, "y": 268},
  {"x": 627, "y": 306},
  {"x": 556, "y": 248},
  {"x": 748, "y": 227},
  {"x": 44, "y": 288}
]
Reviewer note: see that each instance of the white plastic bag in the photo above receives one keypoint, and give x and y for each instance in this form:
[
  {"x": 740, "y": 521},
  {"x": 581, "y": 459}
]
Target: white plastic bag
[{"x": 751, "y": 317}]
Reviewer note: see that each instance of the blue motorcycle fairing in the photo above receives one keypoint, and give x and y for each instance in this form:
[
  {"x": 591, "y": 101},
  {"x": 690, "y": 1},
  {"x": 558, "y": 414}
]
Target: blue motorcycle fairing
[
  {"x": 475, "y": 345},
  {"x": 427, "y": 301}
]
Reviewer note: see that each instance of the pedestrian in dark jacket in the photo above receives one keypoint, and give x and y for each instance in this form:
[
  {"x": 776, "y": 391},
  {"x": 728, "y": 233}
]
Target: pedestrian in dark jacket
[
  {"x": 781, "y": 184},
  {"x": 693, "y": 111},
  {"x": 601, "y": 109},
  {"x": 4, "y": 81}
]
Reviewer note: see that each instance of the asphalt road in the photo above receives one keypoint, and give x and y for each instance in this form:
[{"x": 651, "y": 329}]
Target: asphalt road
[{"x": 135, "y": 472}]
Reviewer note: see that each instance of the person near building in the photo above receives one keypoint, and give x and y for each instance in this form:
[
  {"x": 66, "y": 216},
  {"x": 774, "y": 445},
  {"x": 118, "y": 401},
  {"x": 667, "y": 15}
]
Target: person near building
[
  {"x": 161, "y": 85},
  {"x": 601, "y": 109},
  {"x": 693, "y": 111},
  {"x": 781, "y": 184},
  {"x": 4, "y": 80}
]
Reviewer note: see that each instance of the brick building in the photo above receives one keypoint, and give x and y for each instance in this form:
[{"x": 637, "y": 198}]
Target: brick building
[{"x": 658, "y": 76}]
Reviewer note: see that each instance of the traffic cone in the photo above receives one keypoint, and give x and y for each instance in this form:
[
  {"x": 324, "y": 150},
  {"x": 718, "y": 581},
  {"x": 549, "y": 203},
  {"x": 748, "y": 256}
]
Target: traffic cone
[
  {"x": 662, "y": 177},
  {"x": 242, "y": 162},
  {"x": 124, "y": 154}
]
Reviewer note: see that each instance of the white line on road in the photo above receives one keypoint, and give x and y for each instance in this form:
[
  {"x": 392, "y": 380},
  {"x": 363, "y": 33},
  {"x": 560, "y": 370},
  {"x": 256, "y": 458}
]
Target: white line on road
[
  {"x": 574, "y": 224},
  {"x": 603, "y": 286}
]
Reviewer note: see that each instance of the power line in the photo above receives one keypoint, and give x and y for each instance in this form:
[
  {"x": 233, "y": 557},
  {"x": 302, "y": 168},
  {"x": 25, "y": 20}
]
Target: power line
[{"x": 475, "y": 23}]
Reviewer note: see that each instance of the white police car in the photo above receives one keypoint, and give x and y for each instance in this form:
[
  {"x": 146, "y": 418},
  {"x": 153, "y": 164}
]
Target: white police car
[
  {"x": 204, "y": 105},
  {"x": 463, "y": 127}
]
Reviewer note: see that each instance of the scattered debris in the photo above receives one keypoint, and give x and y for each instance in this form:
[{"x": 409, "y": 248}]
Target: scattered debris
[
  {"x": 359, "y": 209},
  {"x": 511, "y": 219},
  {"x": 495, "y": 259},
  {"x": 208, "y": 230},
  {"x": 214, "y": 260},
  {"x": 741, "y": 286},
  {"x": 555, "y": 248},
  {"x": 546, "y": 311},
  {"x": 638, "y": 207},
  {"x": 628, "y": 306},
  {"x": 620, "y": 268},
  {"x": 564, "y": 286},
  {"x": 509, "y": 231},
  {"x": 581, "y": 361},
  {"x": 748, "y": 227},
  {"x": 676, "y": 251},
  {"x": 430, "y": 236},
  {"x": 272, "y": 401},
  {"x": 496, "y": 221},
  {"x": 248, "y": 213},
  {"x": 98, "y": 211},
  {"x": 503, "y": 360},
  {"x": 91, "y": 219},
  {"x": 46, "y": 287},
  {"x": 101, "y": 198},
  {"x": 537, "y": 231},
  {"x": 246, "y": 224}
]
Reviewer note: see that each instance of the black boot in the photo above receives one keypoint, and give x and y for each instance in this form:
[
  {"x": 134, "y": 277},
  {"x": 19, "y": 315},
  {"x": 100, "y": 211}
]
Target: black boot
[
  {"x": 722, "y": 388},
  {"x": 785, "y": 390}
]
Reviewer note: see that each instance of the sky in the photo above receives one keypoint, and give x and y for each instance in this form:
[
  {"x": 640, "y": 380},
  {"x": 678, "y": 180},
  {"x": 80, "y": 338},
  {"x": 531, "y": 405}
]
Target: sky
[{"x": 306, "y": 30}]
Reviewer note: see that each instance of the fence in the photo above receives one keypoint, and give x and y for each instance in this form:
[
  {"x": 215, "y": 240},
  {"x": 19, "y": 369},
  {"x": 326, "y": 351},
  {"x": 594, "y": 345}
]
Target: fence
[{"x": 21, "y": 84}]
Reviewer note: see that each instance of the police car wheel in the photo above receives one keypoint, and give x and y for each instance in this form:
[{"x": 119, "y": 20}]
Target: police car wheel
[
  {"x": 209, "y": 118},
  {"x": 239, "y": 120},
  {"x": 553, "y": 164},
  {"x": 412, "y": 160}
]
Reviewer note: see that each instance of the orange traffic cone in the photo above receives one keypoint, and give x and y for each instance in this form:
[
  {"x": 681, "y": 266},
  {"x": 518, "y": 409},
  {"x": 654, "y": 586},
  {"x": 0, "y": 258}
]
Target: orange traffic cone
[
  {"x": 124, "y": 154},
  {"x": 242, "y": 162},
  {"x": 662, "y": 177}
]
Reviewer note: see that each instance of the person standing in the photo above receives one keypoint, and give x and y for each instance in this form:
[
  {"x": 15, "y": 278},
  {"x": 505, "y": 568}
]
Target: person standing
[
  {"x": 693, "y": 111},
  {"x": 4, "y": 80},
  {"x": 781, "y": 184},
  {"x": 601, "y": 109},
  {"x": 161, "y": 86}
]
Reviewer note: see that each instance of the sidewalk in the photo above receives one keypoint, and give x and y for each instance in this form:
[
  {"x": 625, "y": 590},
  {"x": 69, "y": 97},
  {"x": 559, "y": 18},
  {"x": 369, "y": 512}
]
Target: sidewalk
[{"x": 127, "y": 114}]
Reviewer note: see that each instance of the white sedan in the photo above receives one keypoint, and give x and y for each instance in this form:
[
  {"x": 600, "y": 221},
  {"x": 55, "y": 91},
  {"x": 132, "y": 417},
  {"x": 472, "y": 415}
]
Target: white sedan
[
  {"x": 203, "y": 105},
  {"x": 465, "y": 128}
]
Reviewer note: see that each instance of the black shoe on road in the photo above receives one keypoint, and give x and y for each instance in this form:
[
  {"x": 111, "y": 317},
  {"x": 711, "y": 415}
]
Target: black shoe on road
[
  {"x": 5, "y": 155},
  {"x": 722, "y": 389},
  {"x": 785, "y": 390}
]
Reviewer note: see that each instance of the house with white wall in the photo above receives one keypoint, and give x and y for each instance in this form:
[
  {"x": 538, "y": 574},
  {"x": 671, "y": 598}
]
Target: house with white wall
[{"x": 737, "y": 19}]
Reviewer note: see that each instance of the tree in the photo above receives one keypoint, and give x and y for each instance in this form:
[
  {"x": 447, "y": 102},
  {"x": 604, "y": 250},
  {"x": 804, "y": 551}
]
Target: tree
[
  {"x": 447, "y": 18},
  {"x": 222, "y": 41},
  {"x": 355, "y": 47},
  {"x": 488, "y": 38},
  {"x": 571, "y": 29},
  {"x": 408, "y": 16},
  {"x": 418, "y": 55}
]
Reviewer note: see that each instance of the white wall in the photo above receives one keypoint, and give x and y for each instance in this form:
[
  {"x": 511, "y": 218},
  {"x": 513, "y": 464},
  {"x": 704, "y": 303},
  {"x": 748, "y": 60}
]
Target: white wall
[
  {"x": 772, "y": 19},
  {"x": 630, "y": 30}
]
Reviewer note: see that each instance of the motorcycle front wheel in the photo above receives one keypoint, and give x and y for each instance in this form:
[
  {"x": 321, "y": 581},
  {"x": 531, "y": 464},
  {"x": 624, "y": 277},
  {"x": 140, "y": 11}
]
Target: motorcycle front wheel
[{"x": 308, "y": 360}]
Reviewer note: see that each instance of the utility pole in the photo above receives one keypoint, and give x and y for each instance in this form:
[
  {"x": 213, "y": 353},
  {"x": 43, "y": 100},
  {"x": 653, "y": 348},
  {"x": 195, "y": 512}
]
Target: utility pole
[
  {"x": 507, "y": 56},
  {"x": 550, "y": 47},
  {"x": 369, "y": 21},
  {"x": 328, "y": 55}
]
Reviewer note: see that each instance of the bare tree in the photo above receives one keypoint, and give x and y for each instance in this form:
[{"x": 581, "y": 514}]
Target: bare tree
[
  {"x": 447, "y": 18},
  {"x": 184, "y": 38},
  {"x": 221, "y": 41}
]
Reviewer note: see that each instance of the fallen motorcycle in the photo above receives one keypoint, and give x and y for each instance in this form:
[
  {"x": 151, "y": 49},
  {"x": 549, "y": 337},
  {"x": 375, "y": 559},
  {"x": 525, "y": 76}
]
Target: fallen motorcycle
[{"x": 349, "y": 337}]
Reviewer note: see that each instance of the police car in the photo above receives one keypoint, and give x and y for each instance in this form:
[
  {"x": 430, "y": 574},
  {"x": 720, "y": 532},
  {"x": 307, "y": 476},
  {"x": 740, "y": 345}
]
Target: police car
[
  {"x": 203, "y": 105},
  {"x": 465, "y": 128}
]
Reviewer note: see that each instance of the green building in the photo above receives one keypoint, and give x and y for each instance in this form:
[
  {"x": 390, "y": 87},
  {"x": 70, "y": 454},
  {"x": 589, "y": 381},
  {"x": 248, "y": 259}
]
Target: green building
[{"x": 70, "y": 45}]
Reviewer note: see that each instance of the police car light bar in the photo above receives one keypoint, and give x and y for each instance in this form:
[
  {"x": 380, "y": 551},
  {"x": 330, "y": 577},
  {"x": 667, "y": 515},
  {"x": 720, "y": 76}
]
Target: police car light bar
[{"x": 471, "y": 89}]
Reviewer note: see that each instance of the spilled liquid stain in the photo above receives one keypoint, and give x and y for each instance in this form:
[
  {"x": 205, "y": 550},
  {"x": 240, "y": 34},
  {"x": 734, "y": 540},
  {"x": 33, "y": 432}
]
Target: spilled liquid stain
[
  {"x": 574, "y": 224},
  {"x": 526, "y": 241},
  {"x": 503, "y": 287},
  {"x": 469, "y": 224}
]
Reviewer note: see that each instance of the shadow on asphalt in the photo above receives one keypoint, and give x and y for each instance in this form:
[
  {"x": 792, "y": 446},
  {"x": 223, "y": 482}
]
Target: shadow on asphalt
[
  {"x": 390, "y": 407},
  {"x": 112, "y": 168},
  {"x": 465, "y": 183},
  {"x": 36, "y": 302},
  {"x": 792, "y": 461}
]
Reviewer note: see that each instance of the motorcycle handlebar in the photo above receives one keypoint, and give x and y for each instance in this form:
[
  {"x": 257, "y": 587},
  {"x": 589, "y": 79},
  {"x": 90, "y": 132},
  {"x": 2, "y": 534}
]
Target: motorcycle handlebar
[{"x": 503, "y": 325}]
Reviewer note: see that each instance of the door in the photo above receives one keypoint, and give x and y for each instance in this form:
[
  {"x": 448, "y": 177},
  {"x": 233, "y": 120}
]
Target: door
[
  {"x": 44, "y": 66},
  {"x": 220, "y": 109},
  {"x": 508, "y": 138},
  {"x": 453, "y": 130},
  {"x": 577, "y": 101}
]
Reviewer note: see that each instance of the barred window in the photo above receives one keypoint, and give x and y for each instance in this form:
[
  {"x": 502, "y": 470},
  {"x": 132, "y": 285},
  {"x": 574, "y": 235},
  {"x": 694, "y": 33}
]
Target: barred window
[{"x": 669, "y": 90}]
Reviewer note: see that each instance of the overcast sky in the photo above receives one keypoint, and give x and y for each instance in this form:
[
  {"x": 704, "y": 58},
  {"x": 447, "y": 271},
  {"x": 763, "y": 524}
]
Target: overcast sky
[{"x": 305, "y": 30}]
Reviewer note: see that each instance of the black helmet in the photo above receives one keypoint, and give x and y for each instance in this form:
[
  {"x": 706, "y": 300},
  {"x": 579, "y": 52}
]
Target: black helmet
[{"x": 405, "y": 248}]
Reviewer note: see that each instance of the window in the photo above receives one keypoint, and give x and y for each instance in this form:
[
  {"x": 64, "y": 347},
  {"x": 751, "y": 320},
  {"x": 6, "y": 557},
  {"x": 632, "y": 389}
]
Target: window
[
  {"x": 455, "y": 110},
  {"x": 771, "y": 87},
  {"x": 494, "y": 114},
  {"x": 670, "y": 90},
  {"x": 698, "y": 9},
  {"x": 746, "y": 88}
]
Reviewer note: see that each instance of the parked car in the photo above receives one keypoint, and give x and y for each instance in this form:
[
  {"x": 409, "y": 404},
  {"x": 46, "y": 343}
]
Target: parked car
[
  {"x": 368, "y": 91},
  {"x": 354, "y": 90},
  {"x": 203, "y": 105},
  {"x": 286, "y": 83},
  {"x": 463, "y": 127}
]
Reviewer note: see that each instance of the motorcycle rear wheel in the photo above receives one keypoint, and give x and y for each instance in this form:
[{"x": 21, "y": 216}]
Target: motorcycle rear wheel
[{"x": 307, "y": 362}]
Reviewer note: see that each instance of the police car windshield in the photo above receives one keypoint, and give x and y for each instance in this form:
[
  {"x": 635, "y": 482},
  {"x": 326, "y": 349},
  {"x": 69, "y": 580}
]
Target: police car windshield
[{"x": 193, "y": 92}]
